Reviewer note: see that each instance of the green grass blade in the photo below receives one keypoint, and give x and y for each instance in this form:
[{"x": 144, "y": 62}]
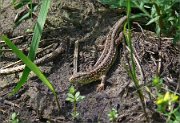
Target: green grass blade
[
  {"x": 132, "y": 68},
  {"x": 35, "y": 41},
  {"x": 29, "y": 64}
]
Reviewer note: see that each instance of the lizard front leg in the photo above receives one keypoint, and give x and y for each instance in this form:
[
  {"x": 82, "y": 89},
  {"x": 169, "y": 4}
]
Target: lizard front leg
[{"x": 101, "y": 85}]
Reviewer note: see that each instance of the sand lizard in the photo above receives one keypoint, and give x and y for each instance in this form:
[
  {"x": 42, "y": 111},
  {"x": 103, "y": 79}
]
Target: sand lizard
[{"x": 105, "y": 61}]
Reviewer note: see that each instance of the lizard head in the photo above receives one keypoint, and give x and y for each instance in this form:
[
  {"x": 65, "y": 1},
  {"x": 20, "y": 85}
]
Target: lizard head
[
  {"x": 77, "y": 78},
  {"x": 82, "y": 78}
]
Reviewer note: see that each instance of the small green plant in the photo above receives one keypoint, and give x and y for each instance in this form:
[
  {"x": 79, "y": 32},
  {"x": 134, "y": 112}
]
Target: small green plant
[
  {"x": 166, "y": 106},
  {"x": 74, "y": 97},
  {"x": 157, "y": 82},
  {"x": 29, "y": 9},
  {"x": 14, "y": 118},
  {"x": 113, "y": 115},
  {"x": 164, "y": 14},
  {"x": 166, "y": 102}
]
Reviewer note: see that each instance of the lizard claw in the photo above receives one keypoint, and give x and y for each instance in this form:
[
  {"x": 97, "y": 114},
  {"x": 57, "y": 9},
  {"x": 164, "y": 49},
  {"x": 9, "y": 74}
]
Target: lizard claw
[{"x": 100, "y": 87}]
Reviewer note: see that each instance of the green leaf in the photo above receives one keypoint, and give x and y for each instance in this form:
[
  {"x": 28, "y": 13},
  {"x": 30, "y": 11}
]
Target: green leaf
[
  {"x": 153, "y": 20},
  {"x": 156, "y": 81},
  {"x": 20, "y": 3},
  {"x": 115, "y": 3},
  {"x": 176, "y": 39},
  {"x": 146, "y": 6},
  {"x": 69, "y": 99},
  {"x": 77, "y": 94},
  {"x": 75, "y": 114},
  {"x": 139, "y": 15},
  {"x": 141, "y": 5},
  {"x": 29, "y": 64},
  {"x": 79, "y": 98},
  {"x": 13, "y": 116},
  {"x": 24, "y": 15},
  {"x": 177, "y": 115},
  {"x": 70, "y": 95},
  {"x": 153, "y": 11},
  {"x": 35, "y": 42},
  {"x": 158, "y": 30},
  {"x": 171, "y": 18},
  {"x": 72, "y": 90},
  {"x": 113, "y": 114}
]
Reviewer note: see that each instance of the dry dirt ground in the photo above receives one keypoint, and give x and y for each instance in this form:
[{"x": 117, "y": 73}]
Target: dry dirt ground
[{"x": 88, "y": 21}]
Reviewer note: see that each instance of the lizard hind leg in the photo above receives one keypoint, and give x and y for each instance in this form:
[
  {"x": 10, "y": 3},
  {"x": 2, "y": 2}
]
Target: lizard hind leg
[{"x": 101, "y": 85}]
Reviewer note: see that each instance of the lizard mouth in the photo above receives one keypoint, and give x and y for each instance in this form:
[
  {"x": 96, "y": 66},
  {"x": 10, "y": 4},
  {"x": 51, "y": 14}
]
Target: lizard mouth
[{"x": 71, "y": 79}]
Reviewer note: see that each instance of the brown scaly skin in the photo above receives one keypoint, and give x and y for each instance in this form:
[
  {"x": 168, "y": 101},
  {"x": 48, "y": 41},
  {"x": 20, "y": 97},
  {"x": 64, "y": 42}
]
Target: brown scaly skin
[{"x": 105, "y": 61}]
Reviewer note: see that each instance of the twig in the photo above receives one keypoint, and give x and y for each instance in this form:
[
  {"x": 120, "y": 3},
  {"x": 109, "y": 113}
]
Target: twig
[
  {"x": 159, "y": 60},
  {"x": 44, "y": 59},
  {"x": 9, "y": 102},
  {"x": 12, "y": 64},
  {"x": 76, "y": 50},
  {"x": 18, "y": 37},
  {"x": 76, "y": 54},
  {"x": 140, "y": 28},
  {"x": 19, "y": 61},
  {"x": 138, "y": 64},
  {"x": 3, "y": 111}
]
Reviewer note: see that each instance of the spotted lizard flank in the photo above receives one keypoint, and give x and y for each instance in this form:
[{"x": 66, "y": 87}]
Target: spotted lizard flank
[{"x": 105, "y": 61}]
